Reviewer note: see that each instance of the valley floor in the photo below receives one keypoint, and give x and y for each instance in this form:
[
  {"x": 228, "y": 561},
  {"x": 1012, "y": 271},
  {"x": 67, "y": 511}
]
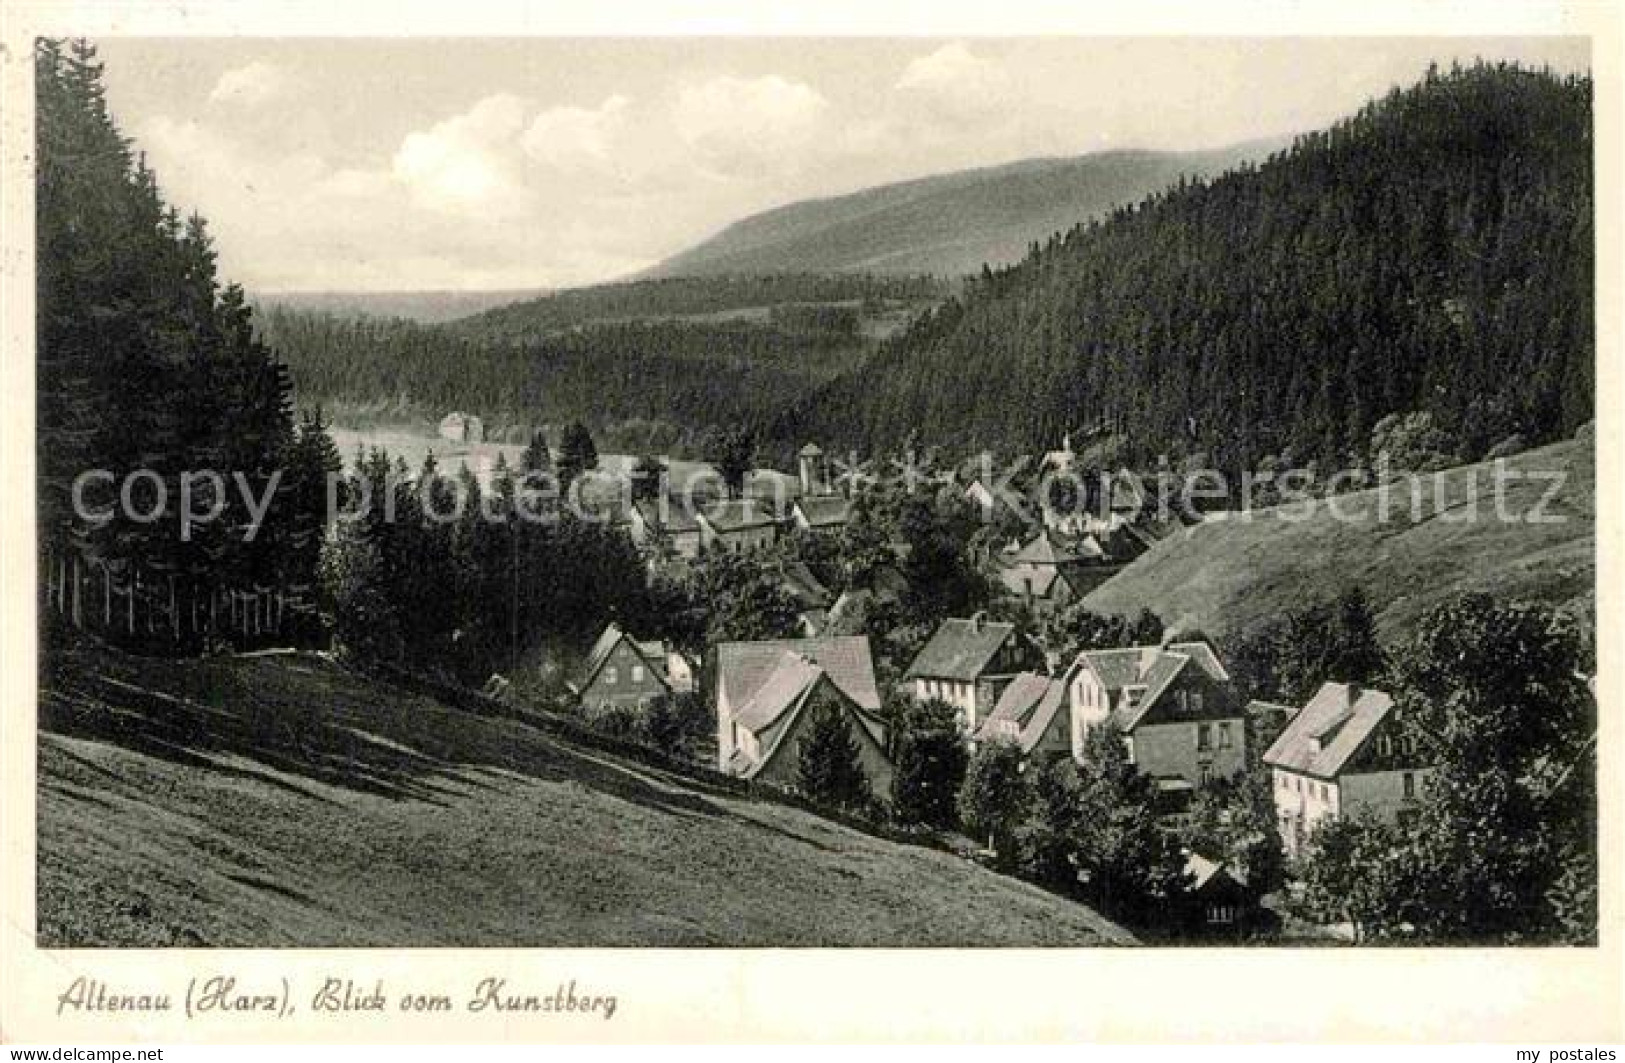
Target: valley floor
[{"x": 284, "y": 801}]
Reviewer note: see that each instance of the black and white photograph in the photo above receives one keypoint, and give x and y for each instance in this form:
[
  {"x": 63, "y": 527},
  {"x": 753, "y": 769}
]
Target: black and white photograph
[{"x": 750, "y": 492}]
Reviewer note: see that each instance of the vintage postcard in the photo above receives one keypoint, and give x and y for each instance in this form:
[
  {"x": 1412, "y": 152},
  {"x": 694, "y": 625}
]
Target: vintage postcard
[{"x": 540, "y": 528}]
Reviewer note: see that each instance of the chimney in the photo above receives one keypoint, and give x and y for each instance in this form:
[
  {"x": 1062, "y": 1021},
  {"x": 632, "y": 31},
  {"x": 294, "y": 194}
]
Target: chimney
[{"x": 978, "y": 620}]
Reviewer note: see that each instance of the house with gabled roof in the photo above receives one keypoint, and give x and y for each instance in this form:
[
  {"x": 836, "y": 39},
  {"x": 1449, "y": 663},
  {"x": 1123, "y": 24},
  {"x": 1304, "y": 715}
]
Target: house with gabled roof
[
  {"x": 737, "y": 525},
  {"x": 768, "y": 693},
  {"x": 1050, "y": 571},
  {"x": 665, "y": 524},
  {"x": 1031, "y": 712},
  {"x": 1218, "y": 899},
  {"x": 825, "y": 514},
  {"x": 1174, "y": 706},
  {"x": 624, "y": 672},
  {"x": 1344, "y": 753},
  {"x": 813, "y": 599},
  {"x": 967, "y": 663}
]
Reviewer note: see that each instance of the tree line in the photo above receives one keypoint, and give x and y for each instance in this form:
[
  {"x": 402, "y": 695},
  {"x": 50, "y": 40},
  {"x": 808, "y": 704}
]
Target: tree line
[
  {"x": 679, "y": 296},
  {"x": 148, "y": 365}
]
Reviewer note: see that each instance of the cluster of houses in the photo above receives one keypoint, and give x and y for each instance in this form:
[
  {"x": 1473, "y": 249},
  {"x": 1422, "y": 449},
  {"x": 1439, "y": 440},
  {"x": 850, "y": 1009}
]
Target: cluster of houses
[
  {"x": 1174, "y": 705},
  {"x": 692, "y": 522},
  {"x": 1079, "y": 542}
]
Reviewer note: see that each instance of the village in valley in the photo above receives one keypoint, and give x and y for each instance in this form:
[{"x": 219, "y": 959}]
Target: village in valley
[
  {"x": 817, "y": 714},
  {"x": 834, "y": 582}
]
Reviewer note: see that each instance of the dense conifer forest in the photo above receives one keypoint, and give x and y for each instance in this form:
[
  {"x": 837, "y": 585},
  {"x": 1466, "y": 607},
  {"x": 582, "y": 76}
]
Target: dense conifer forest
[
  {"x": 667, "y": 376},
  {"x": 146, "y": 362},
  {"x": 1431, "y": 254}
]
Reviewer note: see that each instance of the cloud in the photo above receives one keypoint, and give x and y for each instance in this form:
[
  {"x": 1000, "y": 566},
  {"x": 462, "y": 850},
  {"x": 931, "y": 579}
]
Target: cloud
[
  {"x": 750, "y": 127},
  {"x": 955, "y": 83},
  {"x": 568, "y": 138},
  {"x": 467, "y": 163},
  {"x": 249, "y": 86},
  {"x": 453, "y": 206}
]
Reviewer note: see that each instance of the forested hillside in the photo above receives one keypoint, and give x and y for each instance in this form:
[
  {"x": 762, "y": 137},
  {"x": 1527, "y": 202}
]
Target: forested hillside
[
  {"x": 148, "y": 366},
  {"x": 647, "y": 364},
  {"x": 948, "y": 224},
  {"x": 690, "y": 296},
  {"x": 653, "y": 380},
  {"x": 1432, "y": 254}
]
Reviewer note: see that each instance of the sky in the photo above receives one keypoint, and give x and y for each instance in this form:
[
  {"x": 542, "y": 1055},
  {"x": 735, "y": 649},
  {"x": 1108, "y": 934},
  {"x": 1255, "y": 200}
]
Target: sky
[{"x": 480, "y": 164}]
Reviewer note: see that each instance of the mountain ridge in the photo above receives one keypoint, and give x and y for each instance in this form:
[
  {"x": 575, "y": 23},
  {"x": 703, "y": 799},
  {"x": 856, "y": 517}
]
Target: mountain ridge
[{"x": 990, "y": 212}]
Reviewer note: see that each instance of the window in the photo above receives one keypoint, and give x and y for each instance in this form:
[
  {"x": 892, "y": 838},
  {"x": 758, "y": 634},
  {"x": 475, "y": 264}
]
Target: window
[
  {"x": 609, "y": 677},
  {"x": 1196, "y": 700},
  {"x": 637, "y": 673},
  {"x": 1206, "y": 774},
  {"x": 1224, "y": 736},
  {"x": 1128, "y": 747},
  {"x": 1410, "y": 785},
  {"x": 1184, "y": 699},
  {"x": 1204, "y": 737}
]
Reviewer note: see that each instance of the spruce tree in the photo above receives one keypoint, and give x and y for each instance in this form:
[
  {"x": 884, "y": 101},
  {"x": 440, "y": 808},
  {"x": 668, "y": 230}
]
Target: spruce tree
[{"x": 828, "y": 770}]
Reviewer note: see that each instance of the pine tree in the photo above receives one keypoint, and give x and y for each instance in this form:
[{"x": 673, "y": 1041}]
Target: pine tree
[
  {"x": 537, "y": 458},
  {"x": 828, "y": 770},
  {"x": 577, "y": 455}
]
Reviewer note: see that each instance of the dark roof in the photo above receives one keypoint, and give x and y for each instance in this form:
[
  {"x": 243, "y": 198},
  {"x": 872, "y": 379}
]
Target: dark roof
[
  {"x": 743, "y": 667},
  {"x": 804, "y": 587},
  {"x": 1030, "y": 702},
  {"x": 1328, "y": 731},
  {"x": 823, "y": 511},
  {"x": 960, "y": 649}
]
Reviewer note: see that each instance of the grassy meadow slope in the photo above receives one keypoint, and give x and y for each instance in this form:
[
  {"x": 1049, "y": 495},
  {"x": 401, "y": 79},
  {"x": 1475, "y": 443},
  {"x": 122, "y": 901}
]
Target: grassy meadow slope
[
  {"x": 283, "y": 801},
  {"x": 1226, "y": 576},
  {"x": 946, "y": 224}
]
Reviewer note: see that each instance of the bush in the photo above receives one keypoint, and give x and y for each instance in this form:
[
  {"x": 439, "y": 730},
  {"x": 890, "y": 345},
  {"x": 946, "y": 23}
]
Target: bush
[
  {"x": 617, "y": 721},
  {"x": 678, "y": 725}
]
